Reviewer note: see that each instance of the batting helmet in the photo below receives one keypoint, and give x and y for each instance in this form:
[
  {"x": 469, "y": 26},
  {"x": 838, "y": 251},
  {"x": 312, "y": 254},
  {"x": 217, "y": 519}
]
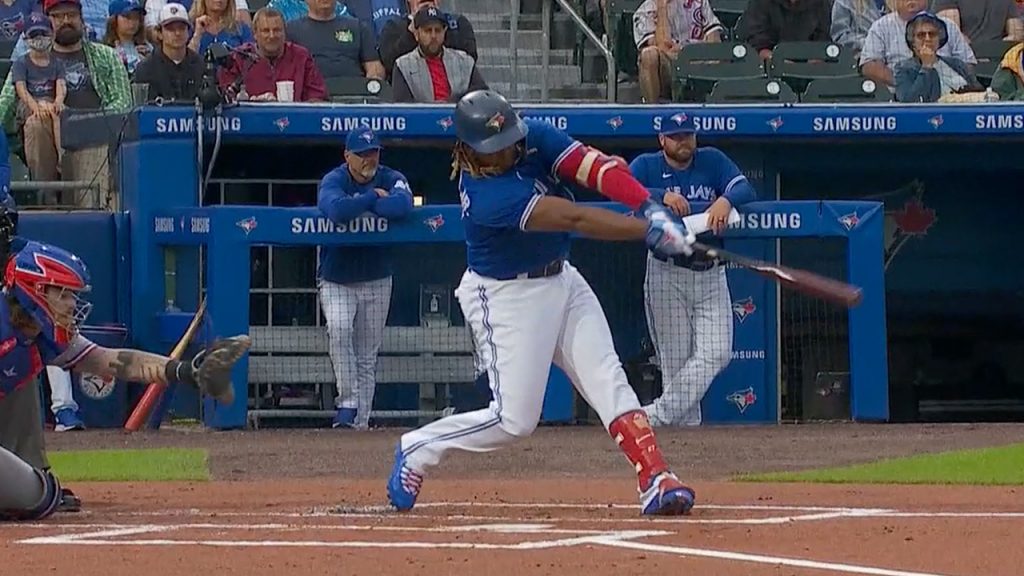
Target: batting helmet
[
  {"x": 487, "y": 123},
  {"x": 37, "y": 267}
]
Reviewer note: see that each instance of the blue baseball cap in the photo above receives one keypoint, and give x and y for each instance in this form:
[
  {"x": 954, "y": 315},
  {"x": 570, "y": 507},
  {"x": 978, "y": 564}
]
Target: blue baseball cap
[
  {"x": 362, "y": 140},
  {"x": 678, "y": 123},
  {"x": 37, "y": 22},
  {"x": 125, "y": 7}
]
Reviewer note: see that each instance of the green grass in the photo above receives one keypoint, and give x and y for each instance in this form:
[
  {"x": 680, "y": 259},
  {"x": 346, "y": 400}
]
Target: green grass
[
  {"x": 1000, "y": 466},
  {"x": 130, "y": 465}
]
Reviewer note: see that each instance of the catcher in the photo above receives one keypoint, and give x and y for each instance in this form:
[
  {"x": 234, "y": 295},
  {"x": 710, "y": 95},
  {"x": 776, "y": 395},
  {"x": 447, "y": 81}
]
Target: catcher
[{"x": 42, "y": 306}]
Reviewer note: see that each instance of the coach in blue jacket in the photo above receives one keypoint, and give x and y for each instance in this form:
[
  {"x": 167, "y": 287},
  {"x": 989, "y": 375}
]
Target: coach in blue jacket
[{"x": 355, "y": 281}]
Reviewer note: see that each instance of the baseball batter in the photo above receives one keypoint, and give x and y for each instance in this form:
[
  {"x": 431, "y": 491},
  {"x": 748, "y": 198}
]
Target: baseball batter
[
  {"x": 689, "y": 312},
  {"x": 355, "y": 281},
  {"x": 528, "y": 306},
  {"x": 41, "y": 308}
]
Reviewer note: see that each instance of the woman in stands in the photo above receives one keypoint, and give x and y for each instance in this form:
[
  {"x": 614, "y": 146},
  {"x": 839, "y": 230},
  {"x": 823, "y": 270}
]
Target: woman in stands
[
  {"x": 126, "y": 34},
  {"x": 215, "y": 21},
  {"x": 928, "y": 77}
]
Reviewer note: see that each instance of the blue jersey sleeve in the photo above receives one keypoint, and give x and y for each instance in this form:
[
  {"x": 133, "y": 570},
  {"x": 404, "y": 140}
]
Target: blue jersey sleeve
[
  {"x": 335, "y": 201},
  {"x": 640, "y": 168},
  {"x": 549, "y": 143},
  {"x": 398, "y": 203},
  {"x": 732, "y": 184},
  {"x": 501, "y": 202}
]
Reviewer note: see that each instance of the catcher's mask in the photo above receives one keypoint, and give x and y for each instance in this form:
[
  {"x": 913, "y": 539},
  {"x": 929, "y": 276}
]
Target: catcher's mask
[{"x": 47, "y": 282}]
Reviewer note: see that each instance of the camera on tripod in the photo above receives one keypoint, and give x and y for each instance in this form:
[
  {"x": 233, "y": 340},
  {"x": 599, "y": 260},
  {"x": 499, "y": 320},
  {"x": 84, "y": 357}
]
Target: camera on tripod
[{"x": 211, "y": 95}]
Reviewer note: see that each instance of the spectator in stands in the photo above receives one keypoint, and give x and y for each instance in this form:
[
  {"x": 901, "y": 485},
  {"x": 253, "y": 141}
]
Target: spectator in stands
[
  {"x": 96, "y": 80},
  {"x": 341, "y": 45},
  {"x": 886, "y": 44},
  {"x": 398, "y": 36},
  {"x": 983, "y": 20},
  {"x": 928, "y": 77},
  {"x": 174, "y": 72},
  {"x": 295, "y": 9},
  {"x": 126, "y": 34},
  {"x": 660, "y": 29},
  {"x": 1008, "y": 81},
  {"x": 277, "y": 60},
  {"x": 94, "y": 16},
  {"x": 431, "y": 72},
  {"x": 39, "y": 82},
  {"x": 215, "y": 21},
  {"x": 153, "y": 8},
  {"x": 13, "y": 17},
  {"x": 377, "y": 13},
  {"x": 767, "y": 22},
  {"x": 851, "y": 20}
]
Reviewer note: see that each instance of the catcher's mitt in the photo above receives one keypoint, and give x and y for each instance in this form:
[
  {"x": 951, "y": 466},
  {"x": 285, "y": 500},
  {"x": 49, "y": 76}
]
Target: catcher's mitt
[{"x": 211, "y": 368}]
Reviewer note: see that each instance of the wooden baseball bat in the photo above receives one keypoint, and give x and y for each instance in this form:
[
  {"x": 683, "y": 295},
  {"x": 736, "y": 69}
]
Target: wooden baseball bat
[
  {"x": 802, "y": 281},
  {"x": 156, "y": 389}
]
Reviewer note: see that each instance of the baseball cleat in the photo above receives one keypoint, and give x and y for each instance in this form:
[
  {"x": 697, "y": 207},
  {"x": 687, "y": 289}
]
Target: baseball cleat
[
  {"x": 404, "y": 483},
  {"x": 667, "y": 496},
  {"x": 67, "y": 420},
  {"x": 344, "y": 418},
  {"x": 69, "y": 502}
]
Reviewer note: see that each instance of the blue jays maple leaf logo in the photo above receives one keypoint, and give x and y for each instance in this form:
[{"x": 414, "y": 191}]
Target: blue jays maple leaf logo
[
  {"x": 434, "y": 222},
  {"x": 282, "y": 123},
  {"x": 776, "y": 123},
  {"x": 849, "y": 221},
  {"x": 679, "y": 118},
  {"x": 248, "y": 225},
  {"x": 743, "y": 308},
  {"x": 743, "y": 399},
  {"x": 445, "y": 123},
  {"x": 936, "y": 121},
  {"x": 615, "y": 122},
  {"x": 496, "y": 122}
]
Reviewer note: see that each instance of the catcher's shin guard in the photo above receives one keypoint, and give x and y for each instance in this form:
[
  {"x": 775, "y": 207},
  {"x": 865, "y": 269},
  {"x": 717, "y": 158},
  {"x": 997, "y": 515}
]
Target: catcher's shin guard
[{"x": 26, "y": 493}]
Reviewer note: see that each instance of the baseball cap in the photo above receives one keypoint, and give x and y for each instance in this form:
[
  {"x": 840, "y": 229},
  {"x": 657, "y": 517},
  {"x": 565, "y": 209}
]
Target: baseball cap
[
  {"x": 125, "y": 7},
  {"x": 173, "y": 12},
  {"x": 51, "y": 4},
  {"x": 429, "y": 14},
  {"x": 362, "y": 140},
  {"x": 678, "y": 123},
  {"x": 37, "y": 22}
]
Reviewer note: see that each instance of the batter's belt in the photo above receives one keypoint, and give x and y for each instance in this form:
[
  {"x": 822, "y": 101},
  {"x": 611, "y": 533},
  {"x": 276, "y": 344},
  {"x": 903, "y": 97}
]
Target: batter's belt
[{"x": 553, "y": 268}]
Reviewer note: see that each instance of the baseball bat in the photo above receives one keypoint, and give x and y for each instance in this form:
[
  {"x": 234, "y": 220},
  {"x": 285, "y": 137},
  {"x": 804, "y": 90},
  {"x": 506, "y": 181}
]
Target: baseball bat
[
  {"x": 156, "y": 389},
  {"x": 802, "y": 281}
]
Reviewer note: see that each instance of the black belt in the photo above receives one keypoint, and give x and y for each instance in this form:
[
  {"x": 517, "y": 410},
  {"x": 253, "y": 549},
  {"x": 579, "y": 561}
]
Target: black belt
[
  {"x": 553, "y": 268},
  {"x": 697, "y": 265}
]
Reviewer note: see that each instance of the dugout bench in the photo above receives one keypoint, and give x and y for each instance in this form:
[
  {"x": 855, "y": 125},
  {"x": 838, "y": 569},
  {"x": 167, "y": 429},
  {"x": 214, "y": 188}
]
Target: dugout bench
[{"x": 435, "y": 358}]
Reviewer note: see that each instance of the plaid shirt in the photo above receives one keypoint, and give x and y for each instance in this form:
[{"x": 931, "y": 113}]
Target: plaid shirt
[
  {"x": 887, "y": 42},
  {"x": 850, "y": 27},
  {"x": 109, "y": 77},
  {"x": 688, "y": 21}
]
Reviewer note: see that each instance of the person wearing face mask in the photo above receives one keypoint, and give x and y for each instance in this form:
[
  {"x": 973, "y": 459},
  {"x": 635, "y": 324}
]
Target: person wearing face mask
[
  {"x": 689, "y": 310},
  {"x": 39, "y": 83},
  {"x": 355, "y": 281},
  {"x": 398, "y": 36},
  {"x": 433, "y": 73}
]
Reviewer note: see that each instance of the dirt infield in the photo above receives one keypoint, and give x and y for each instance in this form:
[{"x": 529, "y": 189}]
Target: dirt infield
[{"x": 562, "y": 502}]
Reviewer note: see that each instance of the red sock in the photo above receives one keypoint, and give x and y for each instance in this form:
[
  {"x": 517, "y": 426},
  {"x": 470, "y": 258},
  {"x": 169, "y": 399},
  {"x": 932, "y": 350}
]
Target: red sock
[{"x": 635, "y": 437}]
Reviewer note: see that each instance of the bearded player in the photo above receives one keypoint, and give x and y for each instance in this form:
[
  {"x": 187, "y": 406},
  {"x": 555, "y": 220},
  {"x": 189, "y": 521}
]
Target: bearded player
[
  {"x": 41, "y": 309},
  {"x": 528, "y": 306},
  {"x": 689, "y": 312}
]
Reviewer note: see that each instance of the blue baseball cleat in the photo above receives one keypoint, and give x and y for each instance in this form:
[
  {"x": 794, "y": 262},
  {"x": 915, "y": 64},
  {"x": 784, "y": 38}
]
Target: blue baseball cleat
[
  {"x": 66, "y": 420},
  {"x": 404, "y": 483},
  {"x": 667, "y": 496},
  {"x": 344, "y": 418}
]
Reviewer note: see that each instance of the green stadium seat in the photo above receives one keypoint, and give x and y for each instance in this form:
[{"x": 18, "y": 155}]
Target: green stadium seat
[
  {"x": 357, "y": 89},
  {"x": 729, "y": 11},
  {"x": 620, "y": 34},
  {"x": 989, "y": 55},
  {"x": 699, "y": 66},
  {"x": 751, "y": 91},
  {"x": 7, "y": 48},
  {"x": 845, "y": 89},
  {"x": 797, "y": 63},
  {"x": 5, "y": 68}
]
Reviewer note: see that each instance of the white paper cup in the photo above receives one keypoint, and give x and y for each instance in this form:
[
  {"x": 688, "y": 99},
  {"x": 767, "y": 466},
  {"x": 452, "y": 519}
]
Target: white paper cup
[{"x": 286, "y": 91}]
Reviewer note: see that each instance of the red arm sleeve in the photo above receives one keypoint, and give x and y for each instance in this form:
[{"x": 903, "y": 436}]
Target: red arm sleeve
[{"x": 608, "y": 176}]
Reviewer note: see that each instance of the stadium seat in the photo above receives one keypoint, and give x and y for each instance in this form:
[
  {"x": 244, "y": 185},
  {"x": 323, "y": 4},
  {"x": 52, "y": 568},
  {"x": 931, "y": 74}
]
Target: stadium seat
[
  {"x": 845, "y": 89},
  {"x": 797, "y": 63},
  {"x": 7, "y": 48},
  {"x": 620, "y": 34},
  {"x": 989, "y": 55},
  {"x": 699, "y": 66},
  {"x": 751, "y": 90},
  {"x": 729, "y": 11},
  {"x": 5, "y": 68},
  {"x": 356, "y": 89},
  {"x": 255, "y": 5}
]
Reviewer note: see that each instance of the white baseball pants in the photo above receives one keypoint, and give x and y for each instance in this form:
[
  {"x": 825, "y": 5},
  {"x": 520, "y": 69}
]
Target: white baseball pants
[
  {"x": 521, "y": 327},
  {"x": 689, "y": 315}
]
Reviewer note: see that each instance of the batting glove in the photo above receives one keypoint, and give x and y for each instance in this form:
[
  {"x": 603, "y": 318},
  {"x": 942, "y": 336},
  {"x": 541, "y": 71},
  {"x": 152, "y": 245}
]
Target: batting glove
[{"x": 666, "y": 234}]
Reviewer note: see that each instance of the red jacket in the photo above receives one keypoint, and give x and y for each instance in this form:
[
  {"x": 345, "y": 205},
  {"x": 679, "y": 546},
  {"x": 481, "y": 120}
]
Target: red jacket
[{"x": 262, "y": 75}]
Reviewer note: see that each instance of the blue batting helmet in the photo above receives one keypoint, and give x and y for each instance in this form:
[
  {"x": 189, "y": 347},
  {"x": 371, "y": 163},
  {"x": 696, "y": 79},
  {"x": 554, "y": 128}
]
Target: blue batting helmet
[
  {"x": 29, "y": 275},
  {"x": 487, "y": 123}
]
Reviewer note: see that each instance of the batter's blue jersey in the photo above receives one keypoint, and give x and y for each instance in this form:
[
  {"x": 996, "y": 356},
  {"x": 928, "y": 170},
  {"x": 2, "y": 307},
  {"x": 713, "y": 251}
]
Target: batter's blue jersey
[
  {"x": 342, "y": 199},
  {"x": 495, "y": 209}
]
